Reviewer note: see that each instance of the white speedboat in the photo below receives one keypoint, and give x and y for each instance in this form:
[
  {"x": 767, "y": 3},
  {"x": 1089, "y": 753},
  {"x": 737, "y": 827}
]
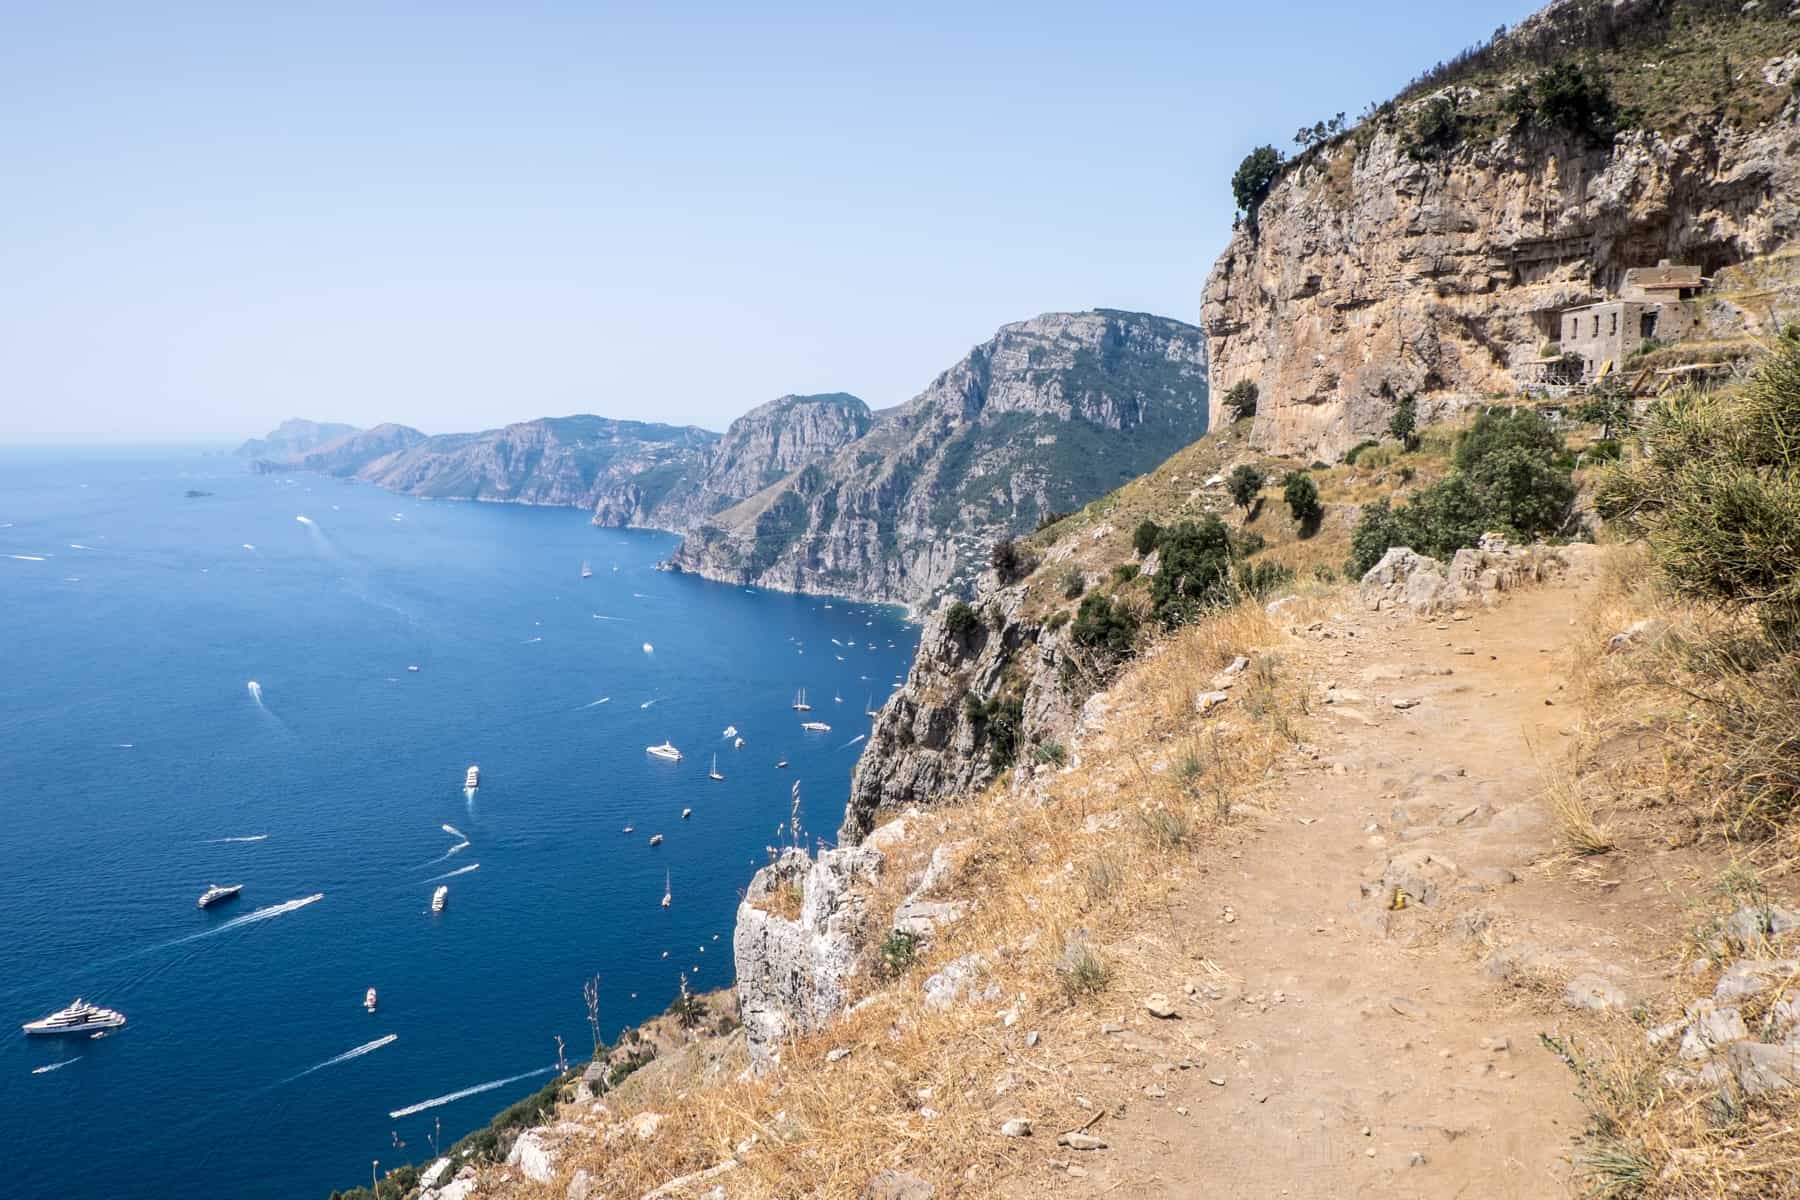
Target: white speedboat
[
  {"x": 665, "y": 751},
  {"x": 439, "y": 897},
  {"x": 473, "y": 779},
  {"x": 79, "y": 1017},
  {"x": 815, "y": 727},
  {"x": 800, "y": 704},
  {"x": 738, "y": 745},
  {"x": 656, "y": 839},
  {"x": 714, "y": 773},
  {"x": 730, "y": 732},
  {"x": 668, "y": 896},
  {"x": 214, "y": 894},
  {"x": 686, "y": 813},
  {"x": 782, "y": 765},
  {"x": 413, "y": 667},
  {"x": 627, "y": 828},
  {"x": 369, "y": 1000}
]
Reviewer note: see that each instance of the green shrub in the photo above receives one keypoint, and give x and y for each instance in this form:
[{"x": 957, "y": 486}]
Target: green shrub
[
  {"x": 1377, "y": 530},
  {"x": 1357, "y": 450},
  {"x": 1057, "y": 620},
  {"x": 1125, "y": 572},
  {"x": 1010, "y": 561},
  {"x": 1436, "y": 129},
  {"x": 961, "y": 621},
  {"x": 1566, "y": 97},
  {"x": 1251, "y": 182},
  {"x": 1241, "y": 399},
  {"x": 1404, "y": 423},
  {"x": 1195, "y": 570},
  {"x": 1104, "y": 626},
  {"x": 1301, "y": 495},
  {"x": 1243, "y": 484},
  {"x": 1143, "y": 538},
  {"x": 898, "y": 950},
  {"x": 1260, "y": 578},
  {"x": 1050, "y": 754},
  {"x": 1073, "y": 583},
  {"x": 998, "y": 719}
]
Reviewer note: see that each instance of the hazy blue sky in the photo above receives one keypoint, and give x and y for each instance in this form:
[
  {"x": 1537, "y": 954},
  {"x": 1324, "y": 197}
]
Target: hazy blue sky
[{"x": 454, "y": 215}]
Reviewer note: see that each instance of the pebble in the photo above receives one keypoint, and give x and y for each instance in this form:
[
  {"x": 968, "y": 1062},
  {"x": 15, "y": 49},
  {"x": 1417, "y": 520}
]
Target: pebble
[
  {"x": 1081, "y": 1141},
  {"x": 837, "y": 1055},
  {"x": 1156, "y": 1091},
  {"x": 1111, "y": 1027},
  {"x": 1016, "y": 1127},
  {"x": 1216, "y": 1080},
  {"x": 1409, "y": 702},
  {"x": 1370, "y": 1152},
  {"x": 1031, "y": 1039},
  {"x": 1157, "y": 1005},
  {"x": 1417, "y": 1159}
]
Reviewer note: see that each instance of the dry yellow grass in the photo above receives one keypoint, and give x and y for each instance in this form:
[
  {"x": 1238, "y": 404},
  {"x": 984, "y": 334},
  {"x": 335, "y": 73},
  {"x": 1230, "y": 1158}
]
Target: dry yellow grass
[{"x": 1075, "y": 880}]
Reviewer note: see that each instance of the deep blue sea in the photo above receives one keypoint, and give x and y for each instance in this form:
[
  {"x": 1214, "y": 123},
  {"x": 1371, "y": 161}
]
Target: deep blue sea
[{"x": 137, "y": 766}]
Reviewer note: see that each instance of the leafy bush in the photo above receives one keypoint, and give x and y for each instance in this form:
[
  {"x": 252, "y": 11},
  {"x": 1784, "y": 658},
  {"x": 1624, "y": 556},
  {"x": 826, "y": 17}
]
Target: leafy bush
[
  {"x": 1104, "y": 626},
  {"x": 1251, "y": 182},
  {"x": 1073, "y": 583},
  {"x": 898, "y": 950},
  {"x": 1437, "y": 129},
  {"x": 1260, "y": 578},
  {"x": 1143, "y": 538},
  {"x": 1356, "y": 451},
  {"x": 1050, "y": 754},
  {"x": 1301, "y": 495},
  {"x": 1244, "y": 482},
  {"x": 1241, "y": 399},
  {"x": 999, "y": 718},
  {"x": 1404, "y": 423},
  {"x": 1566, "y": 97},
  {"x": 961, "y": 621},
  {"x": 1010, "y": 561},
  {"x": 1195, "y": 570},
  {"x": 1378, "y": 529},
  {"x": 1125, "y": 572}
]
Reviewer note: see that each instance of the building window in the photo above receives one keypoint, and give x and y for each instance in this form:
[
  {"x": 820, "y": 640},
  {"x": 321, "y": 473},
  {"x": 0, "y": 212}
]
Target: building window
[
  {"x": 1596, "y": 332},
  {"x": 1615, "y": 324}
]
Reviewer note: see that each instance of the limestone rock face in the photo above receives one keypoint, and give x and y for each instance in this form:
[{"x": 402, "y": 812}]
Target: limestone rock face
[
  {"x": 925, "y": 747},
  {"x": 1369, "y": 274},
  {"x": 1046, "y": 415},
  {"x": 1476, "y": 575},
  {"x": 760, "y": 449},
  {"x": 793, "y": 974}
]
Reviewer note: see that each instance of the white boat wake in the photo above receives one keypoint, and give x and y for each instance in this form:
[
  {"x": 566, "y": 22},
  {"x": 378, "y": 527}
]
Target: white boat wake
[
  {"x": 255, "y": 691},
  {"x": 306, "y": 520},
  {"x": 603, "y": 617},
  {"x": 27, "y": 557},
  {"x": 261, "y": 914},
  {"x": 55, "y": 1066},
  {"x": 346, "y": 1056},
  {"x": 79, "y": 546},
  {"x": 598, "y": 703},
  {"x": 456, "y": 849},
  {"x": 455, "y": 873},
  {"x": 859, "y": 737},
  {"x": 249, "y": 547},
  {"x": 648, "y": 703},
  {"x": 531, "y": 641},
  {"x": 437, "y": 1101},
  {"x": 453, "y": 831},
  {"x": 254, "y": 837}
]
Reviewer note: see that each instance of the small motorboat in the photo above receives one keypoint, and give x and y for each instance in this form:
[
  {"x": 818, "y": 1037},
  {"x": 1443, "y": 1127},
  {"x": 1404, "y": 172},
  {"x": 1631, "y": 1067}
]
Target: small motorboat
[
  {"x": 79, "y": 1017},
  {"x": 369, "y": 1000},
  {"x": 413, "y": 667},
  {"x": 649, "y": 649},
  {"x": 686, "y": 813},
  {"x": 439, "y": 897},
  {"x": 730, "y": 732},
  {"x": 738, "y": 745},
  {"x": 668, "y": 896},
  {"x": 781, "y": 765},
  {"x": 815, "y": 727},
  {"x": 214, "y": 894},
  {"x": 714, "y": 773},
  {"x": 627, "y": 828},
  {"x": 472, "y": 780},
  {"x": 666, "y": 751},
  {"x": 656, "y": 839}
]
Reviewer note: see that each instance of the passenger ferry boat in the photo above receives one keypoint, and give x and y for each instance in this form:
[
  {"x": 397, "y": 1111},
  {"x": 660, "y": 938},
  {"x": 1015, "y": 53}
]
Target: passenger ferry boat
[
  {"x": 439, "y": 897},
  {"x": 214, "y": 894},
  {"x": 472, "y": 780},
  {"x": 79, "y": 1017}
]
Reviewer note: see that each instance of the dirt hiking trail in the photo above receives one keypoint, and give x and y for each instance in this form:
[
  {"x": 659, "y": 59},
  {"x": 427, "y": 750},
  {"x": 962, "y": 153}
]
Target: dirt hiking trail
[{"x": 1373, "y": 958}]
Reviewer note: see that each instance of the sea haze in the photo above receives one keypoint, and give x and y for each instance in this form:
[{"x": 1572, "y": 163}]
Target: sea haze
[{"x": 133, "y": 751}]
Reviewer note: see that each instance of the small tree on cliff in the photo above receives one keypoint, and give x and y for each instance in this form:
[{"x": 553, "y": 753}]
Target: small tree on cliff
[
  {"x": 1241, "y": 399},
  {"x": 1302, "y": 496},
  {"x": 1251, "y": 182},
  {"x": 1244, "y": 482},
  {"x": 1404, "y": 424}
]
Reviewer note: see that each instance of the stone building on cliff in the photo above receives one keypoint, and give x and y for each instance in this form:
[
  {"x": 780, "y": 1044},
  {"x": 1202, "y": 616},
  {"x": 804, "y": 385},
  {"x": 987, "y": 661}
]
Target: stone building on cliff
[{"x": 1652, "y": 303}]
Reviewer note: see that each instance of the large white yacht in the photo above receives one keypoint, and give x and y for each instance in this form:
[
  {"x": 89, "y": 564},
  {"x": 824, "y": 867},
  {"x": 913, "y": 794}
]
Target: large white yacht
[
  {"x": 215, "y": 893},
  {"x": 666, "y": 750},
  {"x": 79, "y": 1017},
  {"x": 472, "y": 780},
  {"x": 815, "y": 726},
  {"x": 439, "y": 897}
]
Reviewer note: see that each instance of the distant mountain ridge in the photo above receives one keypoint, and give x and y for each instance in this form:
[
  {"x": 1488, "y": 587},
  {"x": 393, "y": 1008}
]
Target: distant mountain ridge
[
  {"x": 295, "y": 436},
  {"x": 821, "y": 493}
]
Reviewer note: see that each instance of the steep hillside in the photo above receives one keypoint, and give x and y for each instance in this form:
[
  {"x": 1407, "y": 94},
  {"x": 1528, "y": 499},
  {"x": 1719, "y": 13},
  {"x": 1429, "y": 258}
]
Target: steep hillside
[
  {"x": 1431, "y": 247},
  {"x": 760, "y": 448},
  {"x": 1041, "y": 418},
  {"x": 554, "y": 460},
  {"x": 294, "y": 436}
]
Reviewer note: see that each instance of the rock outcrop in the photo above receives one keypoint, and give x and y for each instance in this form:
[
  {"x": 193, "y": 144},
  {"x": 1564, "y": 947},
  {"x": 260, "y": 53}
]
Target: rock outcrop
[
  {"x": 760, "y": 448},
  {"x": 1048, "y": 414},
  {"x": 347, "y": 456},
  {"x": 1476, "y": 576},
  {"x": 794, "y": 972},
  {"x": 1368, "y": 274},
  {"x": 294, "y": 436},
  {"x": 928, "y": 745}
]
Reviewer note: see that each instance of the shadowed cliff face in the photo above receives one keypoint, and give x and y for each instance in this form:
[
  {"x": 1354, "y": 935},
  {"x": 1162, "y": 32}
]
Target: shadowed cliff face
[
  {"x": 1044, "y": 417},
  {"x": 1371, "y": 275}
]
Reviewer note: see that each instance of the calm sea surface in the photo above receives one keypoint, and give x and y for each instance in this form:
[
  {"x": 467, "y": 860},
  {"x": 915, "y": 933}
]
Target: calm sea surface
[{"x": 139, "y": 763}]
